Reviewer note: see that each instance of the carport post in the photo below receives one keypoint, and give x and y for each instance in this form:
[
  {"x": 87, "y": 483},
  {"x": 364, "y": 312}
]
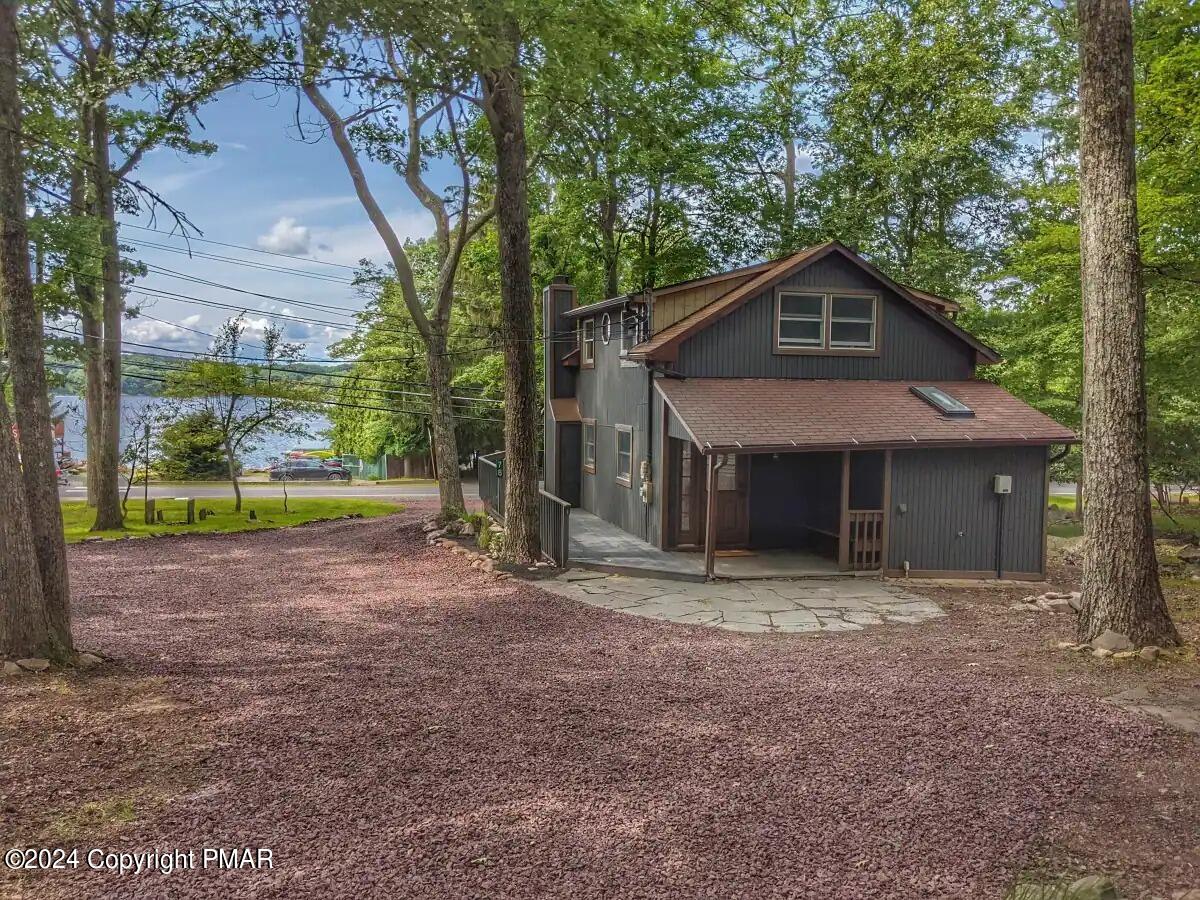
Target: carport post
[{"x": 710, "y": 516}]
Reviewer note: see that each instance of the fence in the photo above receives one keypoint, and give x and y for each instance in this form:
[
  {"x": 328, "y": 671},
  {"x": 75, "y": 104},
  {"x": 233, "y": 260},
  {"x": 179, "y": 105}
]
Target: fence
[
  {"x": 866, "y": 539},
  {"x": 554, "y": 514}
]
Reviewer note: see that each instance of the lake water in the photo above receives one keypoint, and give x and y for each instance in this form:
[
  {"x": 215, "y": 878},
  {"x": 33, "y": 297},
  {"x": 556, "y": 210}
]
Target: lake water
[{"x": 268, "y": 446}]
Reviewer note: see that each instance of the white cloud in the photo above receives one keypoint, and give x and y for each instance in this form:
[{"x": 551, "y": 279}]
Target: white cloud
[
  {"x": 347, "y": 244},
  {"x": 152, "y": 331},
  {"x": 174, "y": 182},
  {"x": 286, "y": 236}
]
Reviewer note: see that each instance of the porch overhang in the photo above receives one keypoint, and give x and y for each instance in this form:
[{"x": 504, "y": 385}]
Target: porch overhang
[{"x": 761, "y": 415}]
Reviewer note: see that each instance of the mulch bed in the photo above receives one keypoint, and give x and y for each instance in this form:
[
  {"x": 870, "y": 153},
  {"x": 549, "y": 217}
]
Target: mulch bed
[{"x": 391, "y": 722}]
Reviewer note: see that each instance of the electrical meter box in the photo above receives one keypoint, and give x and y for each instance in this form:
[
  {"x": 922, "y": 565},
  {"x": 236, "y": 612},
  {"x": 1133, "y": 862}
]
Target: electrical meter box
[{"x": 1002, "y": 484}]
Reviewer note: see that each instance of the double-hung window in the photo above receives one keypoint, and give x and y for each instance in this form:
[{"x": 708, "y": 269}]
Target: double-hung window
[
  {"x": 801, "y": 320},
  {"x": 826, "y": 322},
  {"x": 624, "y": 435},
  {"x": 631, "y": 328},
  {"x": 587, "y": 342},
  {"x": 589, "y": 445},
  {"x": 852, "y": 321}
]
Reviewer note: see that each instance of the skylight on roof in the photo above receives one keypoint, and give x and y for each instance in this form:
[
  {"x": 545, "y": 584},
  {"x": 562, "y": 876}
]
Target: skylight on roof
[{"x": 942, "y": 402}]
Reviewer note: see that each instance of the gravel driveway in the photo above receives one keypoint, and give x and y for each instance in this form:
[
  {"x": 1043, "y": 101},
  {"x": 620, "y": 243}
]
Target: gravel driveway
[{"x": 392, "y": 724}]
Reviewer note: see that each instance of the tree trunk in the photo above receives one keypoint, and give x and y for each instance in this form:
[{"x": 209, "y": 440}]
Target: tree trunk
[
  {"x": 445, "y": 441},
  {"x": 231, "y": 466},
  {"x": 504, "y": 102},
  {"x": 85, "y": 294},
  {"x": 787, "y": 231},
  {"x": 27, "y": 363},
  {"x": 609, "y": 207},
  {"x": 108, "y": 460},
  {"x": 1120, "y": 574},
  {"x": 23, "y": 627}
]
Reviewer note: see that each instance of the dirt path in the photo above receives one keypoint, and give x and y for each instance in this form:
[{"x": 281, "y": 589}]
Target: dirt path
[{"x": 391, "y": 724}]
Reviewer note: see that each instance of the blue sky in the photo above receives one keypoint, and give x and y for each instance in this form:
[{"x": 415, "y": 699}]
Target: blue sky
[{"x": 263, "y": 188}]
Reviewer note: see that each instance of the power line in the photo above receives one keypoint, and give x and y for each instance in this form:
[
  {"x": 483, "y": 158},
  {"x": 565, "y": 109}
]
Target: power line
[
  {"x": 285, "y": 366},
  {"x": 238, "y": 246},
  {"x": 334, "y": 403},
  {"x": 250, "y": 264}
]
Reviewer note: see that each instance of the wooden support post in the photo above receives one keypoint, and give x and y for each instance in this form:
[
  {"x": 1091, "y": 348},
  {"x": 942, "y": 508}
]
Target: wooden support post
[
  {"x": 710, "y": 519},
  {"x": 887, "y": 510},
  {"x": 191, "y": 510},
  {"x": 149, "y": 513},
  {"x": 844, "y": 528}
]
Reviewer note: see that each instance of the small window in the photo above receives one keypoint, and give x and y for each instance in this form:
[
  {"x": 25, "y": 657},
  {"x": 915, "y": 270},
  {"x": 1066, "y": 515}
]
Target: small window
[
  {"x": 588, "y": 342},
  {"x": 605, "y": 328},
  {"x": 631, "y": 329},
  {"x": 943, "y": 402},
  {"x": 852, "y": 322},
  {"x": 624, "y": 454},
  {"x": 589, "y": 445},
  {"x": 802, "y": 320}
]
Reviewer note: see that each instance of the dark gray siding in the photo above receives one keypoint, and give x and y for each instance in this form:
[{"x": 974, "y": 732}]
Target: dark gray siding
[
  {"x": 613, "y": 394},
  {"x": 741, "y": 345},
  {"x": 569, "y": 463},
  {"x": 951, "y": 517}
]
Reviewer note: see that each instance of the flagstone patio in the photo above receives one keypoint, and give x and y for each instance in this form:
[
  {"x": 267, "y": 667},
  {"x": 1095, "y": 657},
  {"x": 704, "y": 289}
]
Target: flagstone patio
[{"x": 762, "y": 605}]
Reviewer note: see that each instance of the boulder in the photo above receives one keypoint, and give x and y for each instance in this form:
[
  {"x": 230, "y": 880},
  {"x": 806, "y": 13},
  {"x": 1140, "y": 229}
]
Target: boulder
[
  {"x": 1125, "y": 654},
  {"x": 87, "y": 660},
  {"x": 1101, "y": 653},
  {"x": 11, "y": 668},
  {"x": 35, "y": 664},
  {"x": 1112, "y": 641},
  {"x": 1150, "y": 654},
  {"x": 1190, "y": 554}
]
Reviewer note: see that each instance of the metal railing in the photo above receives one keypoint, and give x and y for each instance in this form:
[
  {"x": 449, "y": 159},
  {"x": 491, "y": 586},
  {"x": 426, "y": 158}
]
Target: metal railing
[
  {"x": 866, "y": 539},
  {"x": 554, "y": 514},
  {"x": 491, "y": 484},
  {"x": 554, "y": 525}
]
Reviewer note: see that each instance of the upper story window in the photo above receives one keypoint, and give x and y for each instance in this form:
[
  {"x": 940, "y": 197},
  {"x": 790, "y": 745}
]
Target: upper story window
[
  {"x": 632, "y": 329},
  {"x": 587, "y": 342},
  {"x": 826, "y": 322},
  {"x": 605, "y": 328}
]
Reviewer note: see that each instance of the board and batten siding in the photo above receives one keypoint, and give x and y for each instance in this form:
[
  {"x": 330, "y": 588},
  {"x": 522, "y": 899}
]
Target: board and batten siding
[
  {"x": 614, "y": 394},
  {"x": 912, "y": 347},
  {"x": 951, "y": 512}
]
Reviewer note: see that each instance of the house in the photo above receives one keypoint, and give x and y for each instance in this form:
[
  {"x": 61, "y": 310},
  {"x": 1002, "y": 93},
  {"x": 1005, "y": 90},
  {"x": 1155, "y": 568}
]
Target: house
[{"x": 808, "y": 405}]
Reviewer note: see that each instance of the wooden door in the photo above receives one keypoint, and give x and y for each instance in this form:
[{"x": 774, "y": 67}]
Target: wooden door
[
  {"x": 733, "y": 503},
  {"x": 686, "y": 514}
]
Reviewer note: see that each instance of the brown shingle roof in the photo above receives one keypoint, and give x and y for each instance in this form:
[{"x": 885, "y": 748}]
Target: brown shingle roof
[{"x": 787, "y": 414}]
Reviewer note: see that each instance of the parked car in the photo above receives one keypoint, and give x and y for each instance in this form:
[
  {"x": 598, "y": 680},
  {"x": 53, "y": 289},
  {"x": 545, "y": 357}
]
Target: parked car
[{"x": 307, "y": 470}]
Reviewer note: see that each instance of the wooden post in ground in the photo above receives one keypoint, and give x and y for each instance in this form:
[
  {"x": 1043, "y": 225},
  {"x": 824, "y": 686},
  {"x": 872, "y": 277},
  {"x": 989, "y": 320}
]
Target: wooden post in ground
[
  {"x": 844, "y": 521},
  {"x": 710, "y": 517},
  {"x": 191, "y": 510},
  {"x": 149, "y": 512}
]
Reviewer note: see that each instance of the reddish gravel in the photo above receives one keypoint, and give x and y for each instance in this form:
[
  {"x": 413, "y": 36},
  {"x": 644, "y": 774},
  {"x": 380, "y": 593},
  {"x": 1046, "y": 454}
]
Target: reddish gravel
[{"x": 391, "y": 724}]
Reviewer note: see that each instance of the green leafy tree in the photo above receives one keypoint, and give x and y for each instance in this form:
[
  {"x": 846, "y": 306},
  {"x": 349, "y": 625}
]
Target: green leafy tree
[
  {"x": 192, "y": 448},
  {"x": 247, "y": 399}
]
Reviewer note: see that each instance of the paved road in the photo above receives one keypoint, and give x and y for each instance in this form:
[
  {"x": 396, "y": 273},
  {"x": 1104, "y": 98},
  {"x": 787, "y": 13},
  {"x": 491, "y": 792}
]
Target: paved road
[{"x": 78, "y": 491}]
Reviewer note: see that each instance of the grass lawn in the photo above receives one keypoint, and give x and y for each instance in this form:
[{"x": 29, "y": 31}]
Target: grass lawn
[
  {"x": 1189, "y": 520},
  {"x": 78, "y": 518}
]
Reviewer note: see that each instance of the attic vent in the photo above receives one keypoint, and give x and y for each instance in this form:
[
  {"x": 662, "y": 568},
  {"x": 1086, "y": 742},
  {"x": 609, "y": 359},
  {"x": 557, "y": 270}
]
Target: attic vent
[{"x": 943, "y": 402}]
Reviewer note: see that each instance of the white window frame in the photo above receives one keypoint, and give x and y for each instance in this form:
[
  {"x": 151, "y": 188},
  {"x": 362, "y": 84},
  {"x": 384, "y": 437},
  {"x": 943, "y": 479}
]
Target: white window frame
[
  {"x": 827, "y": 347},
  {"x": 589, "y": 427},
  {"x": 819, "y": 317},
  {"x": 618, "y": 430},
  {"x": 632, "y": 328},
  {"x": 843, "y": 345},
  {"x": 606, "y": 328},
  {"x": 587, "y": 345}
]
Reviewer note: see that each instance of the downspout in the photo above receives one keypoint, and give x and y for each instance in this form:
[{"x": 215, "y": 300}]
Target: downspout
[{"x": 648, "y": 478}]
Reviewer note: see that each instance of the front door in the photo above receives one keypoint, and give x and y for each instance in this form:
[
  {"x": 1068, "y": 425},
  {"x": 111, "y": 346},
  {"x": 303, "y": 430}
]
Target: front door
[
  {"x": 687, "y": 495},
  {"x": 733, "y": 507}
]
